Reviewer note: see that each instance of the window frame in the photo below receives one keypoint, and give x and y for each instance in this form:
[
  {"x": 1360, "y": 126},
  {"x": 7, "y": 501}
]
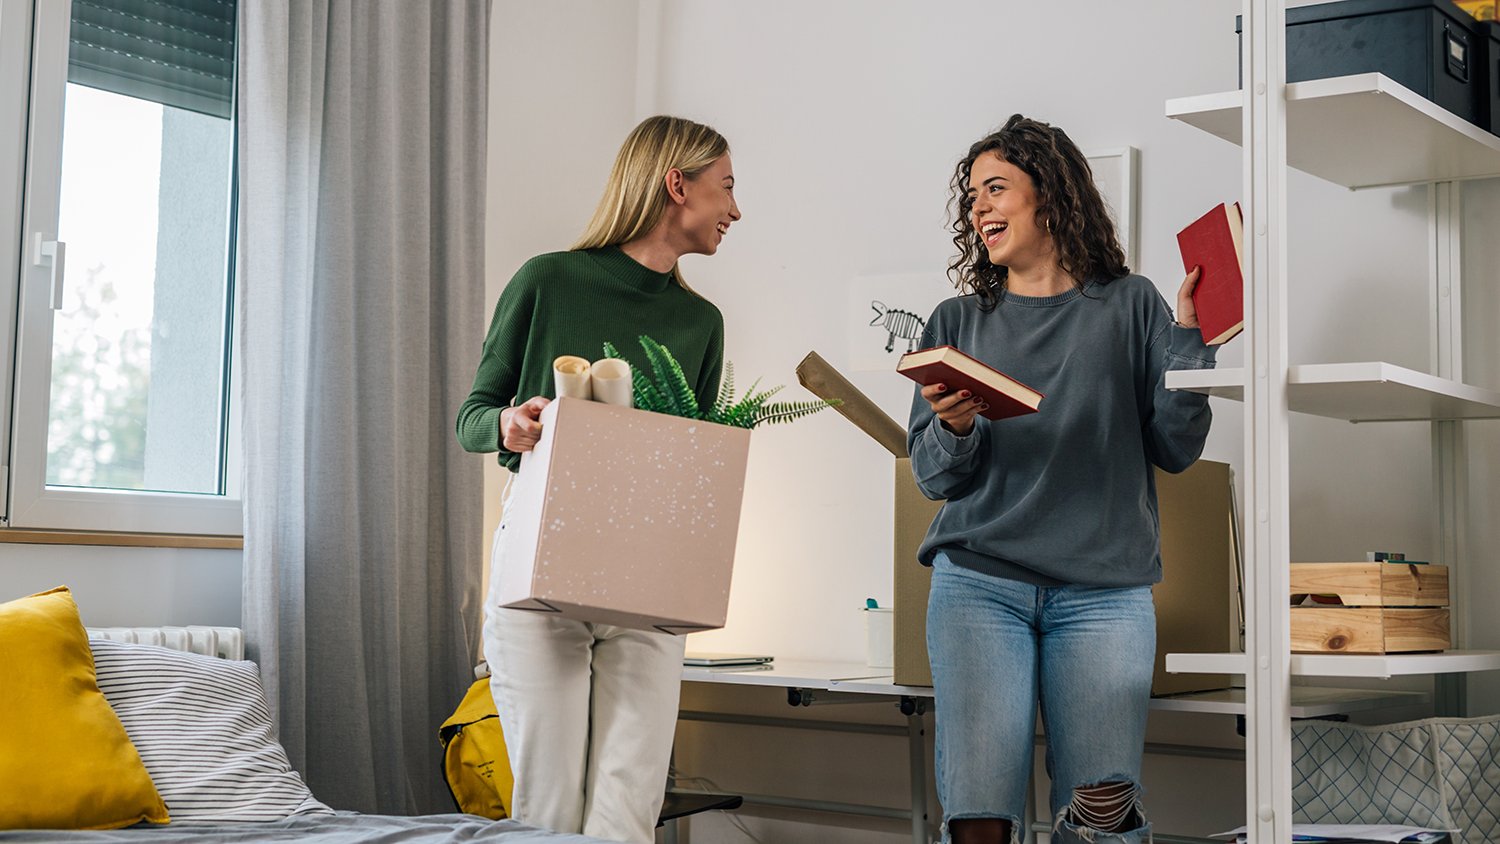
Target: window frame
[{"x": 25, "y": 499}]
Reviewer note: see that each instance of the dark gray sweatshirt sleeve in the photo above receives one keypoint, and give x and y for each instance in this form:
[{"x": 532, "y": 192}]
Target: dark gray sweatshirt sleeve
[
  {"x": 1178, "y": 425},
  {"x": 942, "y": 462}
]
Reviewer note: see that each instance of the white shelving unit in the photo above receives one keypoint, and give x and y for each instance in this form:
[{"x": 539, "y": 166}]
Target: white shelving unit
[
  {"x": 1357, "y": 392},
  {"x": 1307, "y": 701},
  {"x": 1359, "y": 131},
  {"x": 1327, "y": 133},
  {"x": 1382, "y": 666},
  {"x": 1328, "y": 136}
]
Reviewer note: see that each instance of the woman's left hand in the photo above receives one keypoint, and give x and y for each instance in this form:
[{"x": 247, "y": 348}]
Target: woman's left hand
[{"x": 1187, "y": 315}]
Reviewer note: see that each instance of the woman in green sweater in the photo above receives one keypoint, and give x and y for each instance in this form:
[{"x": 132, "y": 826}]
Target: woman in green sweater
[{"x": 589, "y": 710}]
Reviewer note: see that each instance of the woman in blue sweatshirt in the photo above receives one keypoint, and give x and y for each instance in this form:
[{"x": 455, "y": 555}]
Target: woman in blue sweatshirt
[{"x": 1044, "y": 555}]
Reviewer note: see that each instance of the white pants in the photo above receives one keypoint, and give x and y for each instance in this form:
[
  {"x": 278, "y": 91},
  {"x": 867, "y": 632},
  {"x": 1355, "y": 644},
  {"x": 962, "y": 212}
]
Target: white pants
[{"x": 589, "y": 712}]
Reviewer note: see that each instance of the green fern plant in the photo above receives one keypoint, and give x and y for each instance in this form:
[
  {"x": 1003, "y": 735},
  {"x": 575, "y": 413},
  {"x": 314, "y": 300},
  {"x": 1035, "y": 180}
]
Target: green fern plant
[{"x": 670, "y": 393}]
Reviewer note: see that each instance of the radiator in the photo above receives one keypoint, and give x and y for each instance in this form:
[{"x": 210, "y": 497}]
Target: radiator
[{"x": 222, "y": 642}]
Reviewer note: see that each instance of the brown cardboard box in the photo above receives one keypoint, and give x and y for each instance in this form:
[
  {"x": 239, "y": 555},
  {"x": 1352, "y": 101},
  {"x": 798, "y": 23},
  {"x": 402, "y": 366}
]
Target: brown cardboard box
[
  {"x": 1197, "y": 608},
  {"x": 1196, "y": 603},
  {"x": 914, "y": 513},
  {"x": 626, "y": 517}
]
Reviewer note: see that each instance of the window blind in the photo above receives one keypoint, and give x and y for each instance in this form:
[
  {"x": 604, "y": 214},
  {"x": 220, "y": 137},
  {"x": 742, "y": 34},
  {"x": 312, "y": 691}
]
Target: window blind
[{"x": 174, "y": 52}]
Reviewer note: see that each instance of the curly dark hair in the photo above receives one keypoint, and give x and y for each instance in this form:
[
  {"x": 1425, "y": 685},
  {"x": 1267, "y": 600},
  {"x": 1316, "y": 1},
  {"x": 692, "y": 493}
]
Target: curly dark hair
[{"x": 1068, "y": 206}]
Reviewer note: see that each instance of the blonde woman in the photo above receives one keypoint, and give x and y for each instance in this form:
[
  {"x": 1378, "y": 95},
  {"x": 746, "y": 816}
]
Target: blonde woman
[{"x": 589, "y": 710}]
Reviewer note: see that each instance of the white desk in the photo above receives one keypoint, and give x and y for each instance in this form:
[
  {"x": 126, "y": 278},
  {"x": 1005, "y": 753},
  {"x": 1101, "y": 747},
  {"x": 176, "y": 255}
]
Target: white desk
[
  {"x": 788, "y": 672},
  {"x": 857, "y": 678},
  {"x": 810, "y": 682}
]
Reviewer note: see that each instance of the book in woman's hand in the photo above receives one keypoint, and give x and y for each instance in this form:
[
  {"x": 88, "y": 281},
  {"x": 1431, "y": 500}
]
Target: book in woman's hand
[
  {"x": 1214, "y": 243},
  {"x": 957, "y": 371}
]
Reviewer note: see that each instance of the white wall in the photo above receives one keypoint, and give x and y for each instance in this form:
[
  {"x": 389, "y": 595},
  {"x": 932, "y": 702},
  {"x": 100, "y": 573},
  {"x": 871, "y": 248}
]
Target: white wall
[
  {"x": 562, "y": 97},
  {"x": 1481, "y": 263},
  {"x": 845, "y": 128},
  {"x": 845, "y": 125}
]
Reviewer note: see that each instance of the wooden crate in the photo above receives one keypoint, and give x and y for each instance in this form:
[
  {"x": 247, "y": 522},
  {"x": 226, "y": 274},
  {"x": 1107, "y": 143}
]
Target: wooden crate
[
  {"x": 1390, "y": 607},
  {"x": 1369, "y": 630}
]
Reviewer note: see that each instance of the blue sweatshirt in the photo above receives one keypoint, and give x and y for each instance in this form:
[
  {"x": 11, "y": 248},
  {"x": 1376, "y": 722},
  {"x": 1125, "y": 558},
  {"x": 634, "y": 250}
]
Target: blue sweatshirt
[{"x": 1065, "y": 495}]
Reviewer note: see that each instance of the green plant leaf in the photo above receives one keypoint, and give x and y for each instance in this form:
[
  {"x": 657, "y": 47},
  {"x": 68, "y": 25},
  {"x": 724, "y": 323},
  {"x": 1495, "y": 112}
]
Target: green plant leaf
[
  {"x": 666, "y": 390},
  {"x": 779, "y": 412},
  {"x": 670, "y": 380},
  {"x": 643, "y": 394},
  {"x": 726, "y": 392}
]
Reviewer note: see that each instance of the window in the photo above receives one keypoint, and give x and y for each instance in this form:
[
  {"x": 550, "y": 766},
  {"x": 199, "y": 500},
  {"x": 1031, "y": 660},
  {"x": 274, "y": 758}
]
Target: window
[{"x": 122, "y": 218}]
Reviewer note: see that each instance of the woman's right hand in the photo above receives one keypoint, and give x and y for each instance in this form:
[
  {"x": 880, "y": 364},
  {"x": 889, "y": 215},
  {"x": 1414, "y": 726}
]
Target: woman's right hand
[
  {"x": 956, "y": 409},
  {"x": 520, "y": 426}
]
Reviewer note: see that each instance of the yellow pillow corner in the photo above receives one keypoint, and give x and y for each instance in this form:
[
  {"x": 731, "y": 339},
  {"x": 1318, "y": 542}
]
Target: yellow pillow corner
[{"x": 68, "y": 763}]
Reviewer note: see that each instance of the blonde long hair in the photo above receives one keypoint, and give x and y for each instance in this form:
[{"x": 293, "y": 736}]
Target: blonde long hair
[{"x": 635, "y": 198}]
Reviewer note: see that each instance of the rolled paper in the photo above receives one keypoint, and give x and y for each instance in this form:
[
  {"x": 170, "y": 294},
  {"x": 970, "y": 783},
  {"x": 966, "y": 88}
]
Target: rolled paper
[
  {"x": 570, "y": 375},
  {"x": 612, "y": 384}
]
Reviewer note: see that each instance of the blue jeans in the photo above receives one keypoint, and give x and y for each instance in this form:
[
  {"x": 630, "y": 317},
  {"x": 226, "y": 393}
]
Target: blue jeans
[{"x": 998, "y": 647}]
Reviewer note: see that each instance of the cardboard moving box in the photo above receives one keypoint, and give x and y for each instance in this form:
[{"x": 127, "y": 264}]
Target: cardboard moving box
[
  {"x": 625, "y": 517},
  {"x": 1196, "y": 603}
]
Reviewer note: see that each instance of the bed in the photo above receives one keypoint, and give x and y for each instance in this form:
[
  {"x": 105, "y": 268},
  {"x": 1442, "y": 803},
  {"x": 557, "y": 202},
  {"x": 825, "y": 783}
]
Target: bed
[
  {"x": 144, "y": 744},
  {"x": 339, "y": 828}
]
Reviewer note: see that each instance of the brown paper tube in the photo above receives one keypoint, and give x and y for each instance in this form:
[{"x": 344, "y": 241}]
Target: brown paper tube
[{"x": 825, "y": 382}]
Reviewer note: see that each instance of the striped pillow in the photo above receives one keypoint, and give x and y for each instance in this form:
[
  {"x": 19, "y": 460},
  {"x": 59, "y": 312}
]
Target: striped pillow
[{"x": 203, "y": 729}]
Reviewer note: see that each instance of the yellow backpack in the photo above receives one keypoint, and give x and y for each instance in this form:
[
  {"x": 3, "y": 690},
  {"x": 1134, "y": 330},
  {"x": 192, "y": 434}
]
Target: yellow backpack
[{"x": 474, "y": 759}]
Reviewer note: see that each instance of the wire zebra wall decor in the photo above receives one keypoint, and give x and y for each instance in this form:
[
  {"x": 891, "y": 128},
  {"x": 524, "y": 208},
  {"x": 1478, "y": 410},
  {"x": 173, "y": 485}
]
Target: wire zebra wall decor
[{"x": 898, "y": 324}]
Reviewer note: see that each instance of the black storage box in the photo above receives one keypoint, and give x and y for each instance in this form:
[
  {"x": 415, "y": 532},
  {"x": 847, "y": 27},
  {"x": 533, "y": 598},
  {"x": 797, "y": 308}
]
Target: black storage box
[
  {"x": 1487, "y": 48},
  {"x": 1430, "y": 46}
]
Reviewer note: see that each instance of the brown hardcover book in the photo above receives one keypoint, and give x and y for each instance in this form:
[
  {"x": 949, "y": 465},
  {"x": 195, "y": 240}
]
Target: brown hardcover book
[
  {"x": 1214, "y": 242},
  {"x": 956, "y": 370}
]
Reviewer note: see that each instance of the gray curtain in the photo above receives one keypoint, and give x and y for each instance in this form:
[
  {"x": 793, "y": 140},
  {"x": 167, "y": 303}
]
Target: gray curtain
[{"x": 361, "y": 298}]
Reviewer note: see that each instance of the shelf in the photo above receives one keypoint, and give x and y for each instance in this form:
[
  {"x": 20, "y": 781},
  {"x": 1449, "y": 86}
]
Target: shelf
[
  {"x": 1328, "y": 124},
  {"x": 1356, "y": 392},
  {"x": 1307, "y": 701},
  {"x": 1342, "y": 665}
]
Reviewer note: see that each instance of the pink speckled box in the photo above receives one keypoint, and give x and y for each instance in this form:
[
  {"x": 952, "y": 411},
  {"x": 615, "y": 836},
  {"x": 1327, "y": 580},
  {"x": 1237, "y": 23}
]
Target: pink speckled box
[{"x": 625, "y": 517}]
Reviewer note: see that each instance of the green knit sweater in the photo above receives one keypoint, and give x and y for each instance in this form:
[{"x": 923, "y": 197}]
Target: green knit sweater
[{"x": 571, "y": 303}]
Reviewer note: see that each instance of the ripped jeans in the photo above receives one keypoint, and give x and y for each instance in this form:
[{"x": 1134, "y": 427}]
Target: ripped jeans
[{"x": 998, "y": 647}]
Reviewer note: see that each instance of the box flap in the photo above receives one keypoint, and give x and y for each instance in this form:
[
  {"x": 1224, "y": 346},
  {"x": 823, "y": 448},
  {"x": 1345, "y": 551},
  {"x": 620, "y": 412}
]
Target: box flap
[{"x": 825, "y": 382}]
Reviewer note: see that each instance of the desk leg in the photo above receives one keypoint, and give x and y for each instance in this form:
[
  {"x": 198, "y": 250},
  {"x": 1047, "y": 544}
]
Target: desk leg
[
  {"x": 1028, "y": 815},
  {"x": 669, "y": 829},
  {"x": 917, "y": 756}
]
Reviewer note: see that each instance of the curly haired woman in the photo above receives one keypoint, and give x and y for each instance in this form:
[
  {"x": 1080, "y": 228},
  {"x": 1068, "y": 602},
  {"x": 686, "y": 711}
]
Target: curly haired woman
[{"x": 1044, "y": 555}]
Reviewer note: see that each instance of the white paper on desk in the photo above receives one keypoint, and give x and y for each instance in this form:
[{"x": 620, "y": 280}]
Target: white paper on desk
[{"x": 1364, "y": 832}]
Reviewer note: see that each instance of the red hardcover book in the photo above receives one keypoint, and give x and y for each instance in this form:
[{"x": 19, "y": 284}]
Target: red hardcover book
[
  {"x": 957, "y": 371},
  {"x": 1215, "y": 243}
]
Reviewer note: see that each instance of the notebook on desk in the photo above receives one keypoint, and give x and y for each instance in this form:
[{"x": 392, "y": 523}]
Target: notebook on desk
[{"x": 716, "y": 660}]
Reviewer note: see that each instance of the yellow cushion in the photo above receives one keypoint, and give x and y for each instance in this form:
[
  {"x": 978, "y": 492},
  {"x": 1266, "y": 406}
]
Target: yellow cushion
[{"x": 66, "y": 761}]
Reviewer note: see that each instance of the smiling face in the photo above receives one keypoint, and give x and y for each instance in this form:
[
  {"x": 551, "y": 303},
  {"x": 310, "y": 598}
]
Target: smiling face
[
  {"x": 708, "y": 208},
  {"x": 1003, "y": 213}
]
